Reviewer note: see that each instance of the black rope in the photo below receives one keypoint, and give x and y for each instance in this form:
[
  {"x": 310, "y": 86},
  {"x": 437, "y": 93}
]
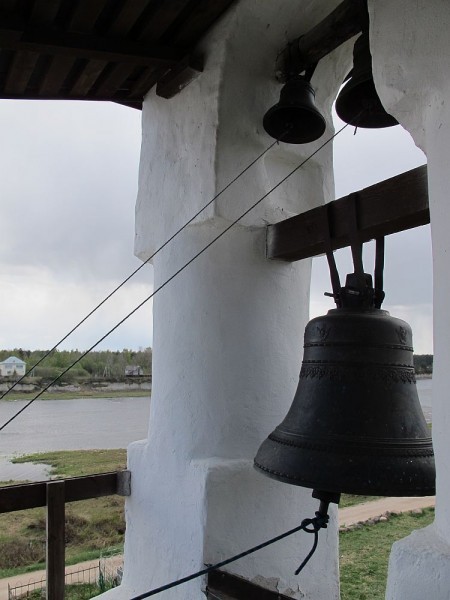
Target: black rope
[
  {"x": 163, "y": 285},
  {"x": 116, "y": 289},
  {"x": 317, "y": 523}
]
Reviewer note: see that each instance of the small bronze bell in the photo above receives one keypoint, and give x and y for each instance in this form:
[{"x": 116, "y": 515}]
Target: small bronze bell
[
  {"x": 358, "y": 102},
  {"x": 295, "y": 118},
  {"x": 355, "y": 424}
]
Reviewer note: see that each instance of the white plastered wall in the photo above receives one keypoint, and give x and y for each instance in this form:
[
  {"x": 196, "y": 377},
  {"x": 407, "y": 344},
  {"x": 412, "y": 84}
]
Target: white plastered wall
[
  {"x": 411, "y": 55},
  {"x": 228, "y": 331}
]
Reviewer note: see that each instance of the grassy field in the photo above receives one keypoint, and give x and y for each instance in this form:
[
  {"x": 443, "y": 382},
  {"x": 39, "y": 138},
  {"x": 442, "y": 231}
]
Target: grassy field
[
  {"x": 93, "y": 527},
  {"x": 364, "y": 554},
  {"x": 351, "y": 500},
  {"x": 71, "y": 463},
  {"x": 88, "y": 393}
]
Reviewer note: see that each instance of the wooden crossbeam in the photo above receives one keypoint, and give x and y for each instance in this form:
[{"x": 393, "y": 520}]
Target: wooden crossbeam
[
  {"x": 346, "y": 21},
  {"x": 393, "y": 205},
  {"x": 32, "y": 495}
]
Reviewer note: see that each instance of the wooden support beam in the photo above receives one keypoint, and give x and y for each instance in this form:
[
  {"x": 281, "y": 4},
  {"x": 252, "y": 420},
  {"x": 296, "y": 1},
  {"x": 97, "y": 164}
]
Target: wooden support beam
[
  {"x": 393, "y": 205},
  {"x": 224, "y": 585},
  {"x": 32, "y": 495},
  {"x": 55, "y": 540},
  {"x": 172, "y": 82},
  {"x": 346, "y": 21}
]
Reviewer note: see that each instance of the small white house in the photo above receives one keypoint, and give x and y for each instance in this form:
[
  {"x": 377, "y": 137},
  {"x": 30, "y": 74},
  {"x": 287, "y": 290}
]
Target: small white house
[{"x": 12, "y": 366}]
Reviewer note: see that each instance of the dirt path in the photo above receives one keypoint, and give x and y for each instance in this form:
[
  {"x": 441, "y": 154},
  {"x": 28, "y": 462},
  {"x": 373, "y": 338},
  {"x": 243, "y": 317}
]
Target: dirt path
[
  {"x": 376, "y": 508},
  {"x": 72, "y": 575}
]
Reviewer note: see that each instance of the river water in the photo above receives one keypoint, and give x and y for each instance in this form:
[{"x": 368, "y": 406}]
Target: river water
[
  {"x": 68, "y": 425},
  {"x": 87, "y": 423}
]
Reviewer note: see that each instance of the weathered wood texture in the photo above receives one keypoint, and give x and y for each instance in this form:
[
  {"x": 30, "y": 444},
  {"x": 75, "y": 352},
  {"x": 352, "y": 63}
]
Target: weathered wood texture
[
  {"x": 100, "y": 49},
  {"x": 32, "y": 495},
  {"x": 393, "y": 205},
  {"x": 55, "y": 540},
  {"x": 87, "y": 47},
  {"x": 224, "y": 585},
  {"x": 343, "y": 23}
]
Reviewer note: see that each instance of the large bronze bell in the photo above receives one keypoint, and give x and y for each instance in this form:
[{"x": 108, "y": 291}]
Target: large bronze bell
[
  {"x": 355, "y": 424},
  {"x": 358, "y": 102},
  {"x": 295, "y": 118}
]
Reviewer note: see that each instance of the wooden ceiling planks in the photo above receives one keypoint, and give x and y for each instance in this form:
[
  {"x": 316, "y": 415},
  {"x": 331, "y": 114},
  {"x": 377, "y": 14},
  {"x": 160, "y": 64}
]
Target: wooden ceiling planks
[
  {"x": 20, "y": 72},
  {"x": 99, "y": 49},
  {"x": 55, "y": 76},
  {"x": 162, "y": 14},
  {"x": 85, "y": 15},
  {"x": 44, "y": 13},
  {"x": 119, "y": 74},
  {"x": 196, "y": 20},
  {"x": 126, "y": 18},
  {"x": 86, "y": 79}
]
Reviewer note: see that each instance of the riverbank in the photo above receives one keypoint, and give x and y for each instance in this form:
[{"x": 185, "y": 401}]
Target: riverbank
[
  {"x": 92, "y": 526},
  {"x": 94, "y": 389},
  {"x": 76, "y": 395}
]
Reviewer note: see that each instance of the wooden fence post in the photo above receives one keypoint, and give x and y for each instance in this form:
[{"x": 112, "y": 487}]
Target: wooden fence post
[{"x": 55, "y": 540}]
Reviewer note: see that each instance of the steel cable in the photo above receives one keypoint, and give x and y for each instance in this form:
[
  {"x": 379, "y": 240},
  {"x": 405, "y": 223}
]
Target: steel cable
[
  {"x": 116, "y": 289},
  {"x": 181, "y": 269},
  {"x": 318, "y": 522}
]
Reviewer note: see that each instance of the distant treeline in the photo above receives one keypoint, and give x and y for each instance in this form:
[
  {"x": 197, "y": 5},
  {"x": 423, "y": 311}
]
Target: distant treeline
[
  {"x": 423, "y": 364},
  {"x": 106, "y": 364}
]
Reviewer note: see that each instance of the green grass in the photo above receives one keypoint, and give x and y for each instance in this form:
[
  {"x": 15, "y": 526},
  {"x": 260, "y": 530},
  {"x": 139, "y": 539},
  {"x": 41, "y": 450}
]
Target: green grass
[
  {"x": 78, "y": 591},
  {"x": 71, "y": 463},
  {"x": 93, "y": 526},
  {"x": 89, "y": 393},
  {"x": 351, "y": 500},
  {"x": 364, "y": 554}
]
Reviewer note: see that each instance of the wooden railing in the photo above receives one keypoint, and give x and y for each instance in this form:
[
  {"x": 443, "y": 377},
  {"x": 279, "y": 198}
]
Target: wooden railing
[{"x": 54, "y": 494}]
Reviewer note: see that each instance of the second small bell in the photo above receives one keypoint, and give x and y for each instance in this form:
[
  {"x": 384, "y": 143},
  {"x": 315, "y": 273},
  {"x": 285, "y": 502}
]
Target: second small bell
[
  {"x": 358, "y": 103},
  {"x": 295, "y": 118}
]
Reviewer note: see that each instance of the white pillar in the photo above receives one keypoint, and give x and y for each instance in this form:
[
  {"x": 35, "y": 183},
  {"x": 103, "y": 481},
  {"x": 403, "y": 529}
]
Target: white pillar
[
  {"x": 228, "y": 331},
  {"x": 411, "y": 50}
]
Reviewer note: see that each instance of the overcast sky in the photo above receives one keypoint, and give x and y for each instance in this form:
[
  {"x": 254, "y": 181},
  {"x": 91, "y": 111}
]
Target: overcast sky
[{"x": 68, "y": 184}]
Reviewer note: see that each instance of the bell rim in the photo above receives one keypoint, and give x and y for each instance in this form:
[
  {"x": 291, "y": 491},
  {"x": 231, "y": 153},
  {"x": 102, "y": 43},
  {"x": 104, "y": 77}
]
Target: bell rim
[
  {"x": 384, "y": 119},
  {"x": 357, "y": 491},
  {"x": 297, "y": 139}
]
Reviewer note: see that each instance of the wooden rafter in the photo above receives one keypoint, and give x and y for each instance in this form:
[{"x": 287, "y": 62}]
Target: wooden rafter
[{"x": 102, "y": 50}]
